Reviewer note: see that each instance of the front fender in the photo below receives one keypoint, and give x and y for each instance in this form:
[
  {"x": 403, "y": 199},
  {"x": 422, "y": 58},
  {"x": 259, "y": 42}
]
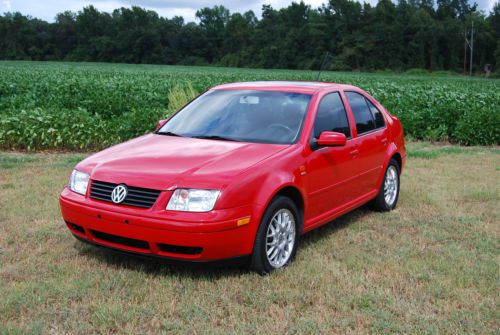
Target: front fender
[{"x": 261, "y": 185}]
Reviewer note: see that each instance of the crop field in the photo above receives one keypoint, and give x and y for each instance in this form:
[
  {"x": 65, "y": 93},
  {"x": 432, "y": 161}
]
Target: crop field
[
  {"x": 87, "y": 106},
  {"x": 431, "y": 266}
]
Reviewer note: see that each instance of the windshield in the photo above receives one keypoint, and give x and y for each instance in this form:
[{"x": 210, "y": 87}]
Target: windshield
[{"x": 242, "y": 115}]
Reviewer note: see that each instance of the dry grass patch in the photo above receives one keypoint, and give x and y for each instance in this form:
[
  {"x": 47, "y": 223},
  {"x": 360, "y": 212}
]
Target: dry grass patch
[{"x": 431, "y": 266}]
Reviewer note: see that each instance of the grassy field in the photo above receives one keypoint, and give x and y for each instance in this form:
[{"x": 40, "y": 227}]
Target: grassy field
[
  {"x": 88, "y": 106},
  {"x": 431, "y": 266}
]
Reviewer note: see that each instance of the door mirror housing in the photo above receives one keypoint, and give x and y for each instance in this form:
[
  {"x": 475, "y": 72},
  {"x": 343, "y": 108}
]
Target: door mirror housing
[
  {"x": 161, "y": 123},
  {"x": 331, "y": 139}
]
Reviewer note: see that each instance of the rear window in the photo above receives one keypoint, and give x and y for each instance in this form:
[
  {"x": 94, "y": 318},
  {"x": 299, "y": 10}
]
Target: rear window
[{"x": 377, "y": 115}]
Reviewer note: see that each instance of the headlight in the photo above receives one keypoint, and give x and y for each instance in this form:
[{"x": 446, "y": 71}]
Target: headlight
[
  {"x": 78, "y": 182},
  {"x": 191, "y": 200}
]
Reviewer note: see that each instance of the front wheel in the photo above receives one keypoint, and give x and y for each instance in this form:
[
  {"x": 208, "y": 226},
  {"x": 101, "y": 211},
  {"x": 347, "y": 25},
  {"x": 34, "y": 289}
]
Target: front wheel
[
  {"x": 276, "y": 241},
  {"x": 388, "y": 195}
]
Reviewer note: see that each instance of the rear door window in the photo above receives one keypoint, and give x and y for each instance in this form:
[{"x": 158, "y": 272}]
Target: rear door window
[{"x": 362, "y": 114}]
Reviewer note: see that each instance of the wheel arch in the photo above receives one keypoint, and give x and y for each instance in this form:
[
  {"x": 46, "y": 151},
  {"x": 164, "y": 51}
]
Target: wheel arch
[
  {"x": 391, "y": 153},
  {"x": 397, "y": 156},
  {"x": 296, "y": 196},
  {"x": 292, "y": 192}
]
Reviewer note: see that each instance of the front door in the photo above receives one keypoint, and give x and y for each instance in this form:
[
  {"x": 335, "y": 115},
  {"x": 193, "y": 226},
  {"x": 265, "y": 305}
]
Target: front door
[{"x": 330, "y": 170}]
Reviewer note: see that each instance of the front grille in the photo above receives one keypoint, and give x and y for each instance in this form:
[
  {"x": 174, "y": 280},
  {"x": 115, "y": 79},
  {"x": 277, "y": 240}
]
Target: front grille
[
  {"x": 129, "y": 242},
  {"x": 136, "y": 196}
]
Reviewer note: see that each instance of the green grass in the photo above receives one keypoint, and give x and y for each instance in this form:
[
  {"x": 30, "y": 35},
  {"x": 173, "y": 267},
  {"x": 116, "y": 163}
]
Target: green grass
[
  {"x": 88, "y": 106},
  {"x": 430, "y": 151},
  {"x": 431, "y": 266}
]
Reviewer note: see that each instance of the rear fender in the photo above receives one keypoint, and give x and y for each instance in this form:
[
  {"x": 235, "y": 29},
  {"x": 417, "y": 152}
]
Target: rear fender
[{"x": 391, "y": 151}]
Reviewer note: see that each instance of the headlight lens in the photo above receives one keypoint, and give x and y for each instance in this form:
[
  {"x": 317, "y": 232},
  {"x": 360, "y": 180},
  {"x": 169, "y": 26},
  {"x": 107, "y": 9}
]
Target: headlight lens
[
  {"x": 78, "y": 182},
  {"x": 192, "y": 200}
]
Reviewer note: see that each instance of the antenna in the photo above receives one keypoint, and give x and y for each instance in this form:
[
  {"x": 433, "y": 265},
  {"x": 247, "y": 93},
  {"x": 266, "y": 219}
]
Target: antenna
[
  {"x": 324, "y": 63},
  {"x": 465, "y": 50},
  {"x": 471, "y": 47}
]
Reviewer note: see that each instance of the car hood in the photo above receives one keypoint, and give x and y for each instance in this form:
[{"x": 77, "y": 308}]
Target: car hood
[{"x": 166, "y": 162}]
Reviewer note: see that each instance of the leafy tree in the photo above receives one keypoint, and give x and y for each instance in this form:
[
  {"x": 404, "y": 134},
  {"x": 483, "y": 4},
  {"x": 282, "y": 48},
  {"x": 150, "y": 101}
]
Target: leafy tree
[
  {"x": 213, "y": 22},
  {"x": 359, "y": 36}
]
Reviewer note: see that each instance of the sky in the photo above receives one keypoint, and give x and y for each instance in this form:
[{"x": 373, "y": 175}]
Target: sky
[{"x": 47, "y": 9}]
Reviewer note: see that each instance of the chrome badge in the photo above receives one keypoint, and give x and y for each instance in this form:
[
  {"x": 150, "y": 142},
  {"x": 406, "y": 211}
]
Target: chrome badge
[{"x": 119, "y": 194}]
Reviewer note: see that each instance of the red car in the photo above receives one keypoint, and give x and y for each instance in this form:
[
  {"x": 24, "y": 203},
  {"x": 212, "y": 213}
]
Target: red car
[{"x": 241, "y": 171}]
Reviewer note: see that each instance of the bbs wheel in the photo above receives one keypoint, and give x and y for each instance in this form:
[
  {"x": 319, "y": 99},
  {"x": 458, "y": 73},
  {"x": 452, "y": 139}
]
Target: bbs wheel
[{"x": 276, "y": 241}]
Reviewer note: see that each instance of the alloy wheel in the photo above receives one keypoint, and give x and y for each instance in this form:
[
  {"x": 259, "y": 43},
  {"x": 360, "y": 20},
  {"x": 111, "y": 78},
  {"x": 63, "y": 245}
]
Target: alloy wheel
[{"x": 280, "y": 238}]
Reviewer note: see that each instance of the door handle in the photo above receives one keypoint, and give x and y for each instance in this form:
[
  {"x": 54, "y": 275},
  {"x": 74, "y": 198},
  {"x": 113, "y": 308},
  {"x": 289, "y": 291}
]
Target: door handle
[
  {"x": 384, "y": 141},
  {"x": 354, "y": 152}
]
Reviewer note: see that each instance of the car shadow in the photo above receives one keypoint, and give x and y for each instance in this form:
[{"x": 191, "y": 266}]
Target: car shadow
[
  {"x": 162, "y": 267},
  {"x": 233, "y": 268}
]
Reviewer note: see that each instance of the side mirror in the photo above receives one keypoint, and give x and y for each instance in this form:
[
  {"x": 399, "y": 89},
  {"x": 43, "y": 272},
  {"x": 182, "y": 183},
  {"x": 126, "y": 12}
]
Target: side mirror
[
  {"x": 331, "y": 139},
  {"x": 161, "y": 123}
]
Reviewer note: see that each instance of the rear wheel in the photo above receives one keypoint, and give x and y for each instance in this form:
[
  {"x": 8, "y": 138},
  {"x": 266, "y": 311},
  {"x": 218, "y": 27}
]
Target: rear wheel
[
  {"x": 276, "y": 241},
  {"x": 388, "y": 194}
]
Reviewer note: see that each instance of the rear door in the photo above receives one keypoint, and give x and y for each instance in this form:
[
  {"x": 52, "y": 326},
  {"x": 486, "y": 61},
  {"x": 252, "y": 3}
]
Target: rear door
[
  {"x": 371, "y": 140},
  {"x": 330, "y": 170}
]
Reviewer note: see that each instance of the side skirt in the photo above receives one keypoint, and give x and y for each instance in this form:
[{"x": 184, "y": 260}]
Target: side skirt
[{"x": 339, "y": 211}]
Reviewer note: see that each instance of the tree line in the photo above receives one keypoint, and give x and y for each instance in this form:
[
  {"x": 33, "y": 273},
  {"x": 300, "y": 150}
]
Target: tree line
[{"x": 408, "y": 34}]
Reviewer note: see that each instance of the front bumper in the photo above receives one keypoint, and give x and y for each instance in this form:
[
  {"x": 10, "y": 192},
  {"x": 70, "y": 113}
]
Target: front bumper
[{"x": 178, "y": 235}]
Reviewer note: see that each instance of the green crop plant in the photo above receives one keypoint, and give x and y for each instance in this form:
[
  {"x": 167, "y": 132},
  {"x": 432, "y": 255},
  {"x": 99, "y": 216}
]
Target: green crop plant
[{"x": 89, "y": 106}]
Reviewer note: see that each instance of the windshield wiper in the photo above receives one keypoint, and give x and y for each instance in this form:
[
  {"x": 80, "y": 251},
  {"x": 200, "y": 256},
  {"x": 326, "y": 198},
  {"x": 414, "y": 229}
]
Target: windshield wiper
[
  {"x": 216, "y": 137},
  {"x": 168, "y": 133}
]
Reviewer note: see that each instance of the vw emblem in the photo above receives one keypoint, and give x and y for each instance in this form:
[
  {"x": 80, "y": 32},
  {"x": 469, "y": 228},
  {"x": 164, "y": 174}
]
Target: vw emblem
[{"x": 119, "y": 194}]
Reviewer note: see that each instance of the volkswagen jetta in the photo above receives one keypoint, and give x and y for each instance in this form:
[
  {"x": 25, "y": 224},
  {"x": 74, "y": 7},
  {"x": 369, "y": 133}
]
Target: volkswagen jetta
[{"x": 243, "y": 170}]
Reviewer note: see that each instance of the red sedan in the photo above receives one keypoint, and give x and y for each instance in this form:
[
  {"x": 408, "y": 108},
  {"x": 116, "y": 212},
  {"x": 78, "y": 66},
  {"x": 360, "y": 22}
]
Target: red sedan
[{"x": 241, "y": 171}]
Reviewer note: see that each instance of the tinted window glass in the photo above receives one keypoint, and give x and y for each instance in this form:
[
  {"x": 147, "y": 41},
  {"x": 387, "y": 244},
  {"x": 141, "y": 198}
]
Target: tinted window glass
[
  {"x": 361, "y": 112},
  {"x": 242, "y": 115},
  {"x": 331, "y": 116},
  {"x": 379, "y": 119}
]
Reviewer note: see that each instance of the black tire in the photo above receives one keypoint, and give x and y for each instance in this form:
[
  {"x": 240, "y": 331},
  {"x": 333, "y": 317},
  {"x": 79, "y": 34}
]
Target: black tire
[
  {"x": 260, "y": 262},
  {"x": 380, "y": 203}
]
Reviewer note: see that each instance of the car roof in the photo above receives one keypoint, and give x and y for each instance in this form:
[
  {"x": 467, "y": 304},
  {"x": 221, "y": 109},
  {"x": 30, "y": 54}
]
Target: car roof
[{"x": 308, "y": 87}]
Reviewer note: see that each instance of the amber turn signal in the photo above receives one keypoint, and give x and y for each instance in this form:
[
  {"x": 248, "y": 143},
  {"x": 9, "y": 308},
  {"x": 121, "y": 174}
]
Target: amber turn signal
[{"x": 242, "y": 222}]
